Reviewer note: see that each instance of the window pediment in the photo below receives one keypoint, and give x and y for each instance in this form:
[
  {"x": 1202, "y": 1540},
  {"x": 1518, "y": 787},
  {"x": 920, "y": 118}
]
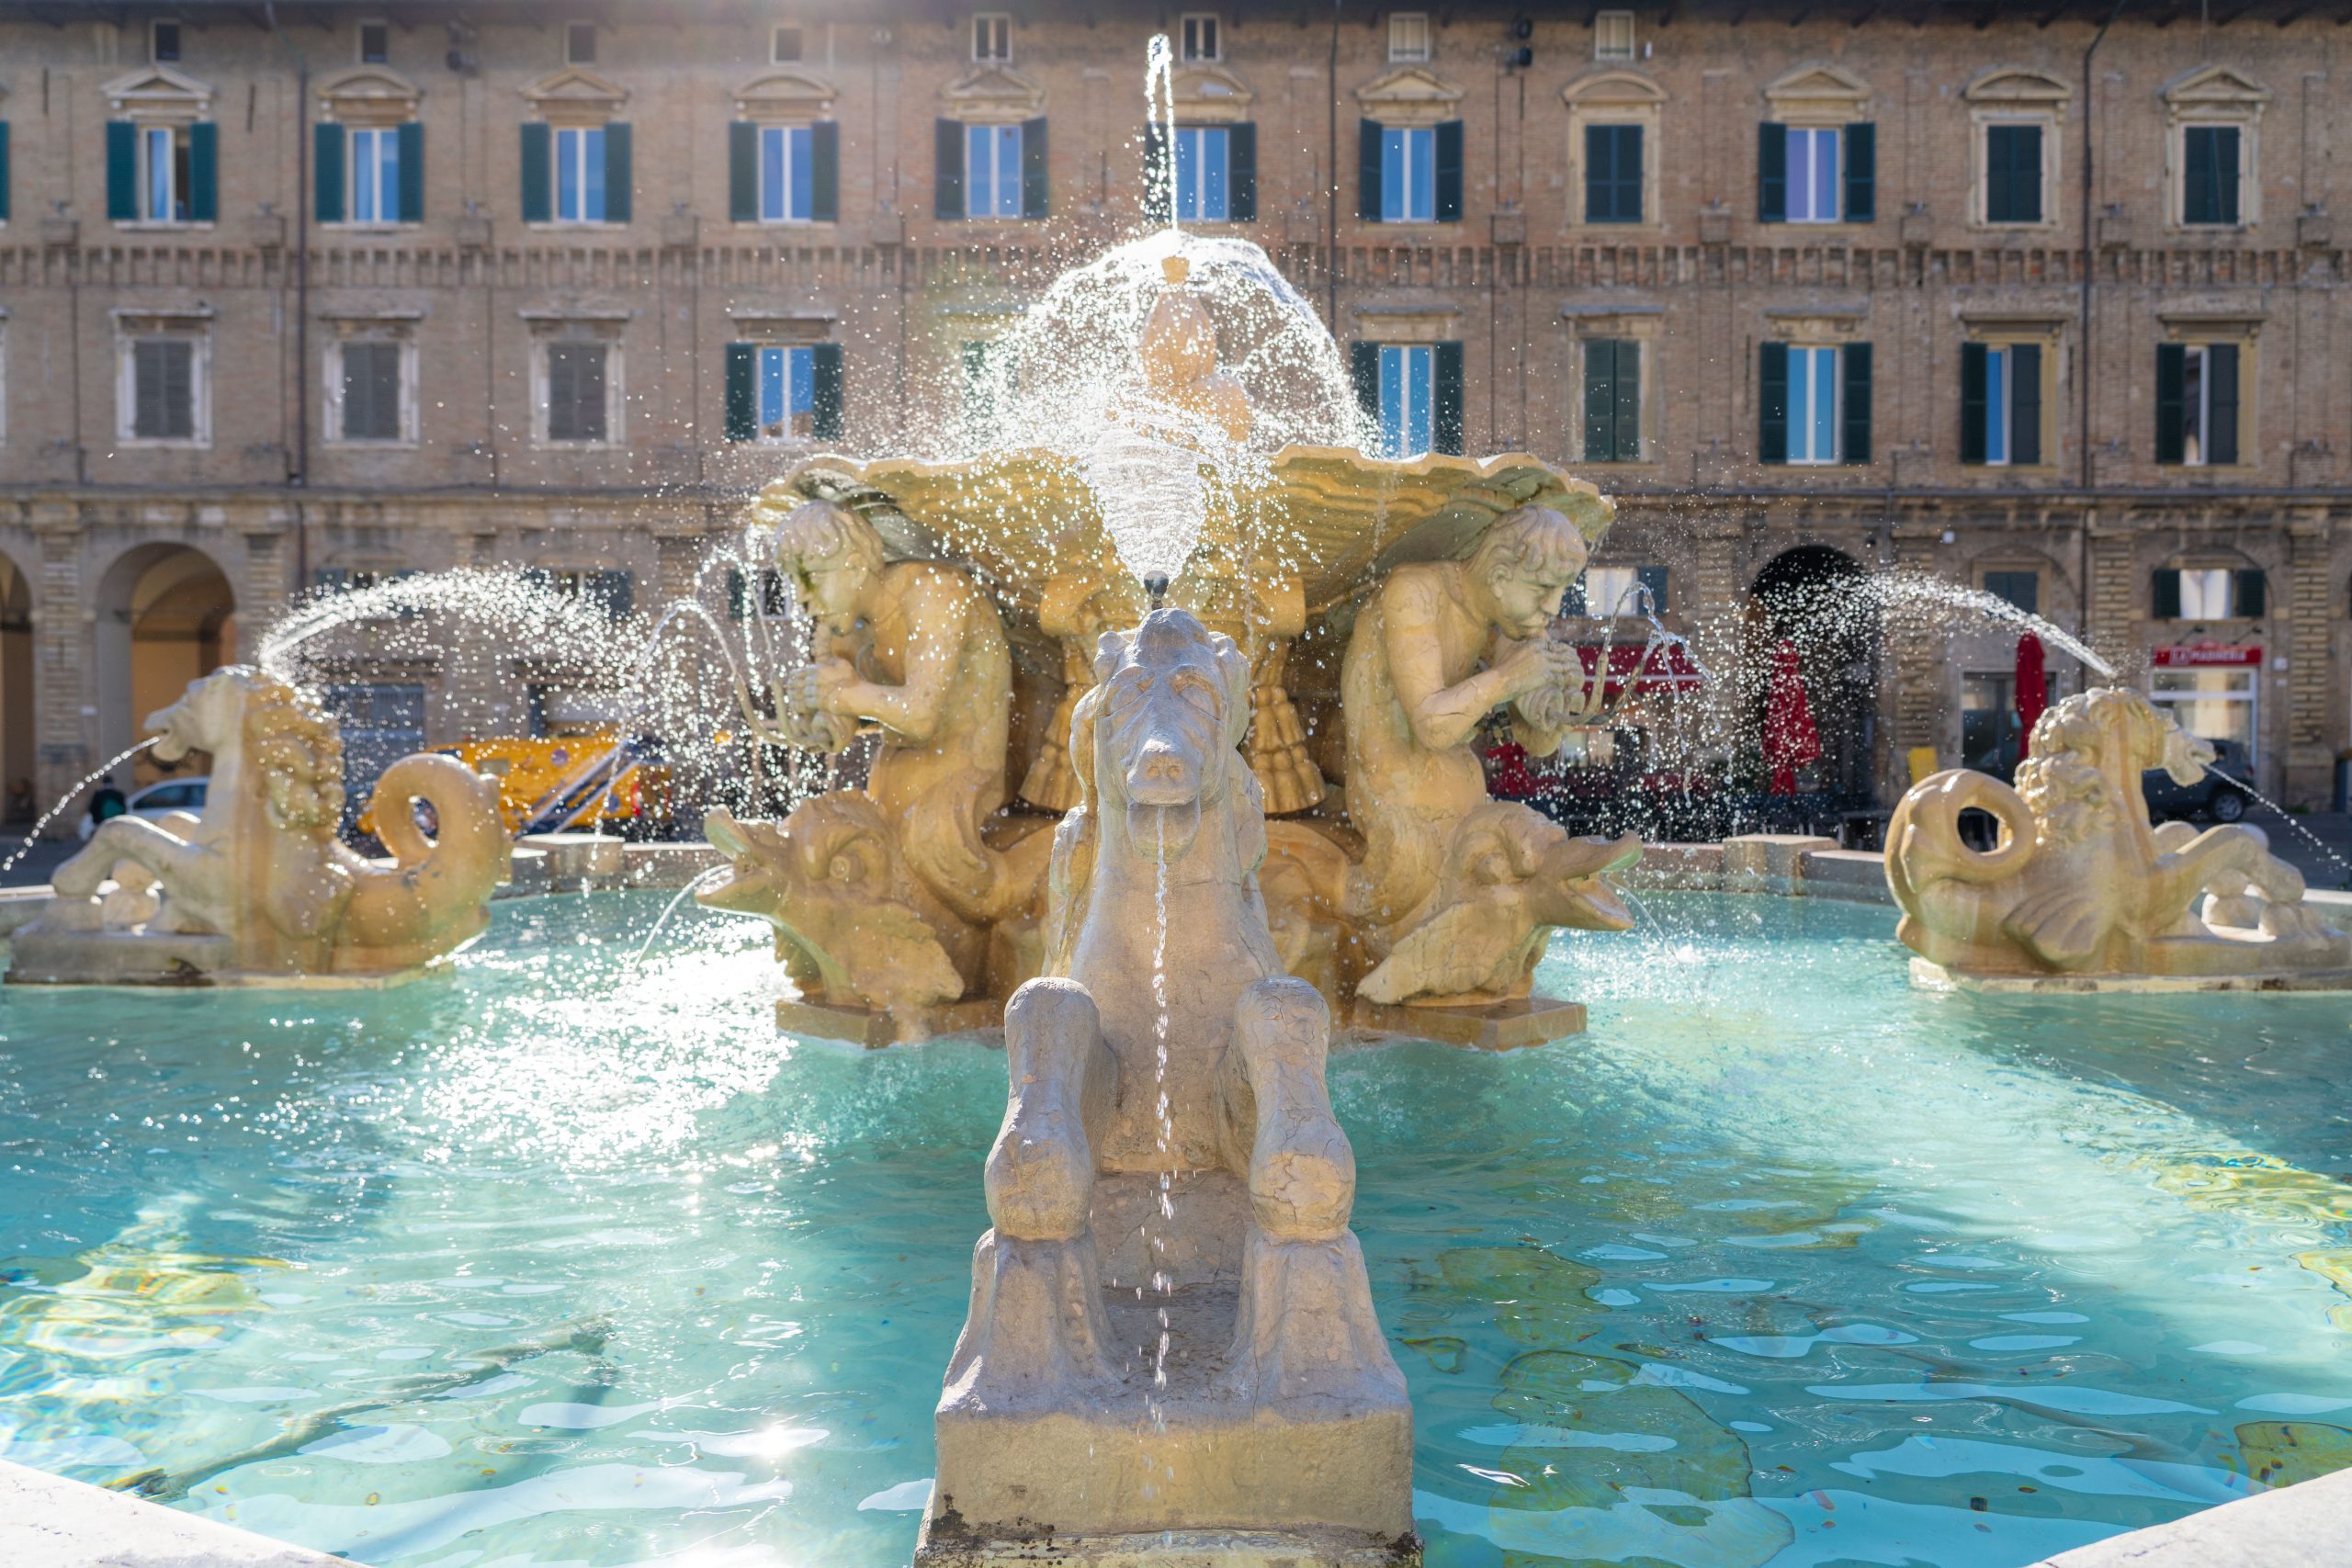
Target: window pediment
[
  {"x": 1207, "y": 93},
  {"x": 785, "y": 94},
  {"x": 2012, "y": 86},
  {"x": 1413, "y": 94},
  {"x": 575, "y": 95},
  {"x": 1818, "y": 92},
  {"x": 1613, "y": 89},
  {"x": 992, "y": 93},
  {"x": 370, "y": 95},
  {"x": 2215, "y": 91},
  {"x": 158, "y": 92}
]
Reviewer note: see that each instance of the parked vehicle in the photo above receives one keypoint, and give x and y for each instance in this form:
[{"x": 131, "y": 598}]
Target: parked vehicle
[
  {"x": 157, "y": 801},
  {"x": 2223, "y": 794}
]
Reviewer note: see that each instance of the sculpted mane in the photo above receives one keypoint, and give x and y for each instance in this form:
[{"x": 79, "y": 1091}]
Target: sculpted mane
[
  {"x": 2062, "y": 783},
  {"x": 298, "y": 751}
]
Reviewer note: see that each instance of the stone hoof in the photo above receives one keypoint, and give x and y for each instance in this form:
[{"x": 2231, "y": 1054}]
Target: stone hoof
[
  {"x": 1035, "y": 1331},
  {"x": 1040, "y": 1173},
  {"x": 1306, "y": 1333},
  {"x": 1302, "y": 1172}
]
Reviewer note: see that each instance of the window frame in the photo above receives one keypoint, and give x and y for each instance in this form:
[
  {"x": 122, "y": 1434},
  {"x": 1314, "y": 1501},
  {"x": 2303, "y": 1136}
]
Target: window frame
[
  {"x": 1810, "y": 424},
  {"x": 1402, "y": 25},
  {"x": 2045, "y": 131},
  {"x": 1641, "y": 129},
  {"x": 798, "y": 364},
  {"x": 800, "y": 32},
  {"x": 579, "y": 335},
  {"x": 787, "y": 187},
  {"x": 382, "y": 136},
  {"x": 2215, "y": 125},
  {"x": 574, "y": 29},
  {"x": 995, "y": 131},
  {"x": 992, "y": 27},
  {"x": 178, "y": 174},
  {"x": 1191, "y": 26},
  {"x": 558, "y": 167},
  {"x": 1617, "y": 335},
  {"x": 1197, "y": 136},
  {"x": 1835, "y": 134},
  {"x": 1986, "y": 575},
  {"x": 1398, "y": 148},
  {"x": 1603, "y": 49},
  {"x": 198, "y": 337},
  {"x": 1410, "y": 358},
  {"x": 406, "y": 402}
]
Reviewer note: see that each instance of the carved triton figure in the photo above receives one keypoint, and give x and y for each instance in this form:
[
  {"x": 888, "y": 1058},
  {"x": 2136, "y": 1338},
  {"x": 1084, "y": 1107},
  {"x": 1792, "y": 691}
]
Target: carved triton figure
[
  {"x": 1456, "y": 893},
  {"x": 258, "y": 886},
  {"x": 2079, "y": 885},
  {"x": 887, "y": 899}
]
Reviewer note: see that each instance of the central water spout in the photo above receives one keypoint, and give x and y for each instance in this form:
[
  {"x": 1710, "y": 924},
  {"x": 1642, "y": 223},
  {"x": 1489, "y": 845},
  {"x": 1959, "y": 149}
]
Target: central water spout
[{"x": 1156, "y": 584}]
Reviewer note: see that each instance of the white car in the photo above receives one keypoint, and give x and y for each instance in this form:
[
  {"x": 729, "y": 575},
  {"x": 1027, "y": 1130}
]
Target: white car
[{"x": 158, "y": 801}]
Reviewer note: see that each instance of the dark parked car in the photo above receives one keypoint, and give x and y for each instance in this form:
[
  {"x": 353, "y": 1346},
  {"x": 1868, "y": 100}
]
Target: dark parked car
[{"x": 2223, "y": 794}]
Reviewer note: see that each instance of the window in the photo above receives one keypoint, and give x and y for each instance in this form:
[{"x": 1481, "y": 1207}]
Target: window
[
  {"x": 1814, "y": 403},
  {"x": 1612, "y": 173},
  {"x": 1817, "y": 174},
  {"x": 580, "y": 174},
  {"x": 375, "y": 176},
  {"x": 787, "y": 394},
  {"x": 784, "y": 44},
  {"x": 1405, "y": 389},
  {"x": 2213, "y": 705},
  {"x": 1202, "y": 165},
  {"x": 779, "y": 392},
  {"x": 2013, "y": 173},
  {"x": 1989, "y": 719},
  {"x": 2019, "y": 588},
  {"x": 1613, "y": 36},
  {"x": 580, "y": 43},
  {"x": 1606, "y": 592},
  {"x": 1199, "y": 35},
  {"x": 787, "y": 171},
  {"x": 164, "y": 41},
  {"x": 1812, "y": 175},
  {"x": 164, "y": 390},
  {"x": 369, "y": 391},
  {"x": 773, "y": 599},
  {"x": 1410, "y": 396},
  {"x": 2197, "y": 403},
  {"x": 2209, "y": 175},
  {"x": 165, "y": 173},
  {"x": 612, "y": 591},
  {"x": 1612, "y": 400},
  {"x": 2000, "y": 403},
  {"x": 992, "y": 171},
  {"x": 2209, "y": 593},
  {"x": 992, "y": 36},
  {"x": 1408, "y": 36},
  {"x": 577, "y": 385},
  {"x": 1407, "y": 173},
  {"x": 375, "y": 43}
]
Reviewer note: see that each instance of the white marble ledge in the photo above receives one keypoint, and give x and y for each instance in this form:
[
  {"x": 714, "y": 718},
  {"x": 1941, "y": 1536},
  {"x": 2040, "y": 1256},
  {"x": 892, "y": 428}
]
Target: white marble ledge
[
  {"x": 47, "y": 1521},
  {"x": 2305, "y": 1525}
]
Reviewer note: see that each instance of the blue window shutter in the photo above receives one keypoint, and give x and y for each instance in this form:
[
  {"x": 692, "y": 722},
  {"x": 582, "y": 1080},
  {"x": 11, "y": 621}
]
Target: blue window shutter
[
  {"x": 1854, "y": 360},
  {"x": 413, "y": 173},
  {"x": 1772, "y": 177},
  {"x": 1036, "y": 187},
  {"x": 2164, "y": 594},
  {"x": 1159, "y": 174},
  {"x": 1974, "y": 368},
  {"x": 1445, "y": 398},
  {"x": 203, "y": 172},
  {"x": 2025, "y": 404},
  {"x": 538, "y": 173},
  {"x": 1363, "y": 369},
  {"x": 326, "y": 171},
  {"x": 1772, "y": 402},
  {"x": 825, "y": 172},
  {"x": 1368, "y": 170},
  {"x": 743, "y": 172},
  {"x": 742, "y": 391},
  {"x": 947, "y": 178},
  {"x": 1449, "y": 173},
  {"x": 1861, "y": 173},
  {"x": 2172, "y": 386},
  {"x": 122, "y": 171},
  {"x": 616, "y": 172},
  {"x": 825, "y": 412},
  {"x": 1241, "y": 172}
]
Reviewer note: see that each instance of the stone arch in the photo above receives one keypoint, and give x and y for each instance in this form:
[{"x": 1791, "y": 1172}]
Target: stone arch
[{"x": 165, "y": 614}]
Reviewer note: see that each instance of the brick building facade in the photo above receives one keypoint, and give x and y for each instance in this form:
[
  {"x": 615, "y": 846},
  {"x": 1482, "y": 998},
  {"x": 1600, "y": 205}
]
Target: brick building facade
[{"x": 1810, "y": 289}]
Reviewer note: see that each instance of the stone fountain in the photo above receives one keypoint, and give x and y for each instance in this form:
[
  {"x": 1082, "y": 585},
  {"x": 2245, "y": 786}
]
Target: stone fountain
[
  {"x": 1386, "y": 612},
  {"x": 2080, "y": 891},
  {"x": 258, "y": 889}
]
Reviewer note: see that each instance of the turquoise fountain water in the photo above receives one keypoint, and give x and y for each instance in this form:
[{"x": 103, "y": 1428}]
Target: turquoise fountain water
[{"x": 550, "y": 1261}]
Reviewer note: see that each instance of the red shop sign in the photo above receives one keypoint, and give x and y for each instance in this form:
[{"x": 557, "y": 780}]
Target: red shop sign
[
  {"x": 2205, "y": 655},
  {"x": 1666, "y": 668}
]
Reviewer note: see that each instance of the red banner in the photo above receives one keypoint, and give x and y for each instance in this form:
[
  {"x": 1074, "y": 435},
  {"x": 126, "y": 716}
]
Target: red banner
[
  {"x": 1667, "y": 669},
  {"x": 2206, "y": 655}
]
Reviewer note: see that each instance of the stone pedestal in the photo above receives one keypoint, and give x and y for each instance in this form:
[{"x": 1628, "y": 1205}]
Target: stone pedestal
[
  {"x": 1503, "y": 1026},
  {"x": 875, "y": 1030}
]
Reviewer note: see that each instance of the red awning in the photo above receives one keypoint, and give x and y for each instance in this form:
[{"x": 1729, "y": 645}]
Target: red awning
[{"x": 1667, "y": 669}]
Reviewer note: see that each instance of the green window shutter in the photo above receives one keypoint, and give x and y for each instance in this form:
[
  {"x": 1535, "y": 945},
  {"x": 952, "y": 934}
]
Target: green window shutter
[
  {"x": 3, "y": 171},
  {"x": 1600, "y": 401},
  {"x": 122, "y": 171},
  {"x": 538, "y": 173},
  {"x": 1772, "y": 402},
  {"x": 2249, "y": 596},
  {"x": 743, "y": 172},
  {"x": 203, "y": 172},
  {"x": 947, "y": 179},
  {"x": 1629, "y": 401},
  {"x": 2164, "y": 594},
  {"x": 1241, "y": 172},
  {"x": 2172, "y": 382},
  {"x": 738, "y": 600},
  {"x": 742, "y": 391},
  {"x": 2013, "y": 173},
  {"x": 1159, "y": 175},
  {"x": 1653, "y": 577},
  {"x": 2025, "y": 404},
  {"x": 1368, "y": 170},
  {"x": 1861, "y": 173},
  {"x": 1612, "y": 173},
  {"x": 1363, "y": 369},
  {"x": 825, "y": 421},
  {"x": 1449, "y": 173},
  {"x": 616, "y": 172},
  {"x": 2222, "y": 402},
  {"x": 825, "y": 172},
  {"x": 1036, "y": 184},
  {"x": 1854, "y": 359},
  {"x": 1974, "y": 368},
  {"x": 2225, "y": 171},
  {"x": 1445, "y": 398},
  {"x": 413, "y": 173},
  {"x": 1772, "y": 177},
  {"x": 326, "y": 172}
]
